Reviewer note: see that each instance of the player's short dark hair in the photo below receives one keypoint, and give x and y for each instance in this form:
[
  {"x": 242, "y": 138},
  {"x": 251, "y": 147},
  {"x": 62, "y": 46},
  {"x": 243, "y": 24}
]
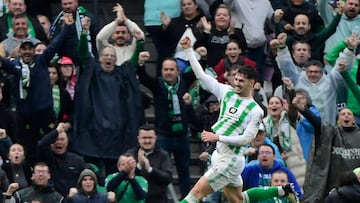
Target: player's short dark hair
[{"x": 248, "y": 71}]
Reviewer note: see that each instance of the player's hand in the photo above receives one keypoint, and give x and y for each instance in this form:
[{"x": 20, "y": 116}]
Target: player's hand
[
  {"x": 204, "y": 156},
  {"x": 207, "y": 136}
]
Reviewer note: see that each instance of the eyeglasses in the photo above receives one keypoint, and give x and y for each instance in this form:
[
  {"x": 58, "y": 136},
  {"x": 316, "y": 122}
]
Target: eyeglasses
[
  {"x": 108, "y": 55},
  {"x": 265, "y": 153},
  {"x": 41, "y": 171}
]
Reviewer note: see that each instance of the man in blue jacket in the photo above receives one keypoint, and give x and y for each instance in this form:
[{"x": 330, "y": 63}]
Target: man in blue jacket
[
  {"x": 259, "y": 175},
  {"x": 33, "y": 93}
]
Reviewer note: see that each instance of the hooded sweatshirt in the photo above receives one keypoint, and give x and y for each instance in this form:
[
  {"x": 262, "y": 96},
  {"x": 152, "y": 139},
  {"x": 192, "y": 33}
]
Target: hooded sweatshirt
[{"x": 94, "y": 196}]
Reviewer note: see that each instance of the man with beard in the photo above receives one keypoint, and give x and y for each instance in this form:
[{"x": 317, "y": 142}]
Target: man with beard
[
  {"x": 120, "y": 31},
  {"x": 79, "y": 12},
  {"x": 301, "y": 32},
  {"x": 34, "y": 102},
  {"x": 349, "y": 21},
  {"x": 237, "y": 125},
  {"x": 154, "y": 164}
]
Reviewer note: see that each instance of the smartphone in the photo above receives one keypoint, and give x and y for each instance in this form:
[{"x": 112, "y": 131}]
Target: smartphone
[{"x": 333, "y": 3}]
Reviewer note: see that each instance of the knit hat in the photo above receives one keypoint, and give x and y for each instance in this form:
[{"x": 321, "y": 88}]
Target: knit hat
[
  {"x": 66, "y": 61},
  {"x": 87, "y": 172},
  {"x": 211, "y": 99}
]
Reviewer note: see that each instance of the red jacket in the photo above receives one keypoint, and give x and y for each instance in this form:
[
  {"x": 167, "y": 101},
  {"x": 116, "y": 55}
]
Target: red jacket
[{"x": 221, "y": 68}]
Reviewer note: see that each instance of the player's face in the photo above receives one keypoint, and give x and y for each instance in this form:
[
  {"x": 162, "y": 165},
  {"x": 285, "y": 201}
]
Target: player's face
[{"x": 242, "y": 85}]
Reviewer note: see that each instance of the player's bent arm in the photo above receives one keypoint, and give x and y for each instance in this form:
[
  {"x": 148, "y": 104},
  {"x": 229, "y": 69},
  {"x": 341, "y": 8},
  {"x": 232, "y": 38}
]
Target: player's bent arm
[{"x": 249, "y": 133}]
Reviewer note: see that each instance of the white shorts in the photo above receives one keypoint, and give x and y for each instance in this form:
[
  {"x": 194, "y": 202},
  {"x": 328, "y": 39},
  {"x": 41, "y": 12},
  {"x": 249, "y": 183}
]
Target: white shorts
[{"x": 225, "y": 170}]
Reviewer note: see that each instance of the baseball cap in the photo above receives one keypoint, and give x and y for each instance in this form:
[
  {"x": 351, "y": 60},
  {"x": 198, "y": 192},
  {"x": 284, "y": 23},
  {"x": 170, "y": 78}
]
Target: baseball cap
[
  {"x": 66, "y": 61},
  {"x": 26, "y": 42}
]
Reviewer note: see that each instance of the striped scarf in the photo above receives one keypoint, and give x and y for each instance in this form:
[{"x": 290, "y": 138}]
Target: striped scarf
[
  {"x": 56, "y": 99},
  {"x": 283, "y": 133},
  {"x": 175, "y": 112},
  {"x": 70, "y": 84},
  {"x": 24, "y": 81},
  {"x": 80, "y": 14}
]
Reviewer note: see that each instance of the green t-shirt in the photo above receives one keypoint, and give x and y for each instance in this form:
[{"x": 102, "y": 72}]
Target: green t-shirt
[{"x": 129, "y": 195}]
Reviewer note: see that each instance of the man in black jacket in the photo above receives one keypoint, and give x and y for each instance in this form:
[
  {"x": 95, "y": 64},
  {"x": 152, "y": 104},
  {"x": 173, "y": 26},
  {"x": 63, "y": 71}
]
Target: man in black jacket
[
  {"x": 64, "y": 165},
  {"x": 40, "y": 190},
  {"x": 154, "y": 164}
]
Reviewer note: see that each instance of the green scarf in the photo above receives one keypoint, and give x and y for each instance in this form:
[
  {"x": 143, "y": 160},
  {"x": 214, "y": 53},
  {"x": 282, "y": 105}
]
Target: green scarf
[
  {"x": 56, "y": 99},
  {"x": 24, "y": 81},
  {"x": 175, "y": 112},
  {"x": 284, "y": 131}
]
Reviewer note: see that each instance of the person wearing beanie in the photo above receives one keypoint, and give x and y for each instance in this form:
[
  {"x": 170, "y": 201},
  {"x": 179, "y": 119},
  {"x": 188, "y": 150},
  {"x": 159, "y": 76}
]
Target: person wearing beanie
[{"x": 87, "y": 192}]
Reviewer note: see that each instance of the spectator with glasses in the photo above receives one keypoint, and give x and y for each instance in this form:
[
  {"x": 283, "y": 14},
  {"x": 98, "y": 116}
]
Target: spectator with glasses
[
  {"x": 259, "y": 175},
  {"x": 41, "y": 189}
]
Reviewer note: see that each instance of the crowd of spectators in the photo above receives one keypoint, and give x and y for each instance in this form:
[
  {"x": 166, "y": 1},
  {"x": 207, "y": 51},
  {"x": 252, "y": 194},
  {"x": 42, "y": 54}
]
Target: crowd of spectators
[{"x": 72, "y": 121}]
